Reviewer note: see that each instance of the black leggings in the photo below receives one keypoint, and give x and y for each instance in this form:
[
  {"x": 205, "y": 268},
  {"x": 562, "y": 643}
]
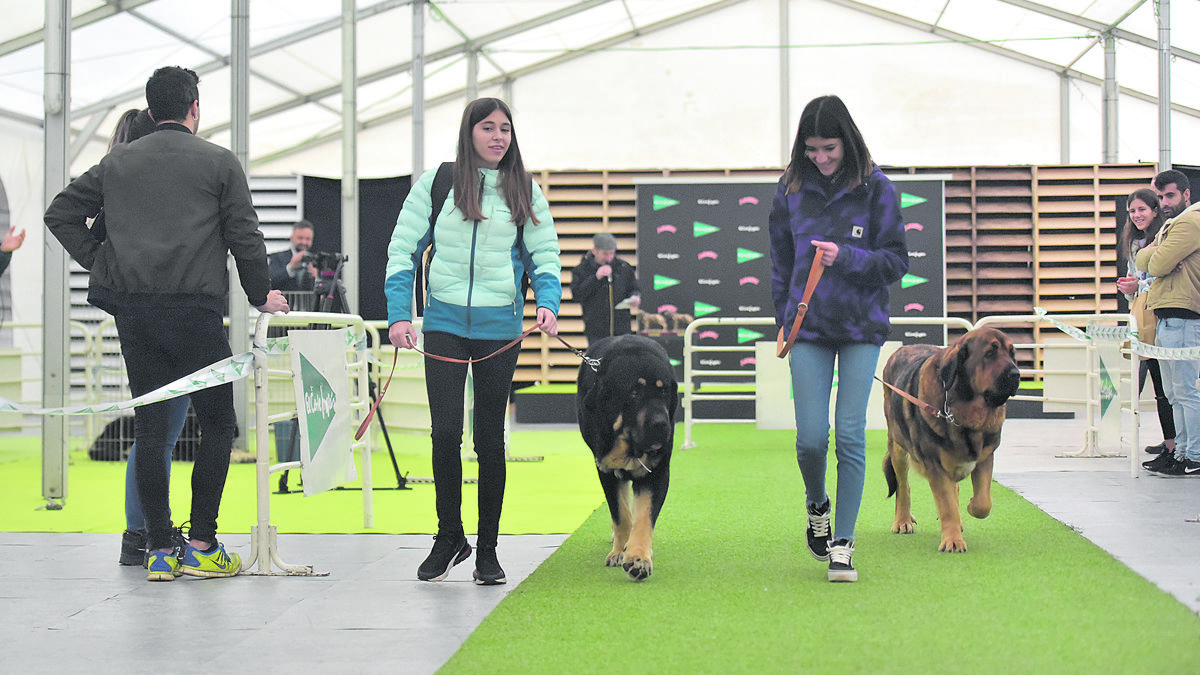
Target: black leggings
[
  {"x": 445, "y": 385},
  {"x": 1165, "y": 417}
]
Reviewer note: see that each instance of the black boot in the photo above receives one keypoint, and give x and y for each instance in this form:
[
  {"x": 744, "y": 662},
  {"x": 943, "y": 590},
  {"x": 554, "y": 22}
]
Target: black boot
[{"x": 133, "y": 548}]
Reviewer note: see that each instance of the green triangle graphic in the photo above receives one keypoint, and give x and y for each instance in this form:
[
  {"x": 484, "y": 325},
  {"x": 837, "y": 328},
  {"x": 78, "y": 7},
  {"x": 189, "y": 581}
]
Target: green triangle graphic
[
  {"x": 747, "y": 335},
  {"x": 661, "y": 202},
  {"x": 746, "y": 255},
  {"x": 661, "y": 282},
  {"x": 317, "y": 406},
  {"x": 704, "y": 309},
  {"x": 910, "y": 280},
  {"x": 700, "y": 229},
  {"x": 676, "y": 362},
  {"x": 907, "y": 200},
  {"x": 1108, "y": 391}
]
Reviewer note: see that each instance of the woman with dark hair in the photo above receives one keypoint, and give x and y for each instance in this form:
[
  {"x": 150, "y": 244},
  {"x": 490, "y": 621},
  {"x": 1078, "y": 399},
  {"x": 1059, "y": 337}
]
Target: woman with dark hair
[
  {"x": 132, "y": 125},
  {"x": 1144, "y": 221},
  {"x": 834, "y": 204},
  {"x": 494, "y": 222}
]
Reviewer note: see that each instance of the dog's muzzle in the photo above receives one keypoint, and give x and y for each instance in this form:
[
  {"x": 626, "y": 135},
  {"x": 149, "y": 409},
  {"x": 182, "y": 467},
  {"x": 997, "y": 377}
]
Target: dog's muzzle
[{"x": 1005, "y": 387}]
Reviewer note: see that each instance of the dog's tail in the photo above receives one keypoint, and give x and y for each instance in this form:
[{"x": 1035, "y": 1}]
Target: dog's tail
[{"x": 889, "y": 472}]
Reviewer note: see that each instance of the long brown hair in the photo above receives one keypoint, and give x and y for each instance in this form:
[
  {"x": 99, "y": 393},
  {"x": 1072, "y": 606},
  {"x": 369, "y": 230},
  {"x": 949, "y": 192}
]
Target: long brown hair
[
  {"x": 1130, "y": 232},
  {"x": 828, "y": 117},
  {"x": 514, "y": 182}
]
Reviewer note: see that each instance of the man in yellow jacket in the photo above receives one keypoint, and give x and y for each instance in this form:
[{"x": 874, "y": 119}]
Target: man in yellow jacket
[{"x": 1174, "y": 259}]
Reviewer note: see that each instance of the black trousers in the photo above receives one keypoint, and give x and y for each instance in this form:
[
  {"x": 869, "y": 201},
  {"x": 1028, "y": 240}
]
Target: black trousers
[
  {"x": 445, "y": 383},
  {"x": 1166, "y": 417},
  {"x": 161, "y": 345}
]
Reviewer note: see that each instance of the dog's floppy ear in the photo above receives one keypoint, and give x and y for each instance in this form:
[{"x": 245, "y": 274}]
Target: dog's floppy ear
[
  {"x": 952, "y": 362},
  {"x": 672, "y": 397}
]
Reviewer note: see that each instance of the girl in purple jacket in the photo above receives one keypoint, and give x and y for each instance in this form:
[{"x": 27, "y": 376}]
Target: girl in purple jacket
[{"x": 834, "y": 202}]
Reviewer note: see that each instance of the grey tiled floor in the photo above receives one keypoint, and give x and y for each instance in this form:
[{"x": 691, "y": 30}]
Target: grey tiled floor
[{"x": 370, "y": 614}]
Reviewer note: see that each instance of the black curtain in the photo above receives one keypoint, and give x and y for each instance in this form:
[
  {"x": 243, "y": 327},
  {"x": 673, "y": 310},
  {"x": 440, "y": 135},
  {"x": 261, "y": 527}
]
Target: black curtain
[{"x": 380, "y": 200}]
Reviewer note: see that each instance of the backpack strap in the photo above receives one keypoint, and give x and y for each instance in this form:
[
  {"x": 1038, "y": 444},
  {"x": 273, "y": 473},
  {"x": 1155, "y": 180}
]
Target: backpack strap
[{"x": 442, "y": 181}]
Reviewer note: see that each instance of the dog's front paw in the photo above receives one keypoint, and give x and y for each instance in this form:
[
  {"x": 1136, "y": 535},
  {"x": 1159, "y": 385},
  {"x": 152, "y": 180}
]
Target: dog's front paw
[
  {"x": 952, "y": 543},
  {"x": 615, "y": 558},
  {"x": 979, "y": 508},
  {"x": 904, "y": 525},
  {"x": 639, "y": 569}
]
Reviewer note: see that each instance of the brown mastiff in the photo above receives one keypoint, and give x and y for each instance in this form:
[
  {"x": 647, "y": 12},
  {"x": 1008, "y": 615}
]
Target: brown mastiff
[{"x": 952, "y": 434}]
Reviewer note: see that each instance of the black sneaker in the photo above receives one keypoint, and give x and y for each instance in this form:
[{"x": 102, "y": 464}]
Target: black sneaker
[
  {"x": 448, "y": 551},
  {"x": 133, "y": 548},
  {"x": 1161, "y": 463},
  {"x": 818, "y": 530},
  {"x": 487, "y": 568},
  {"x": 1156, "y": 449},
  {"x": 1179, "y": 468},
  {"x": 841, "y": 551}
]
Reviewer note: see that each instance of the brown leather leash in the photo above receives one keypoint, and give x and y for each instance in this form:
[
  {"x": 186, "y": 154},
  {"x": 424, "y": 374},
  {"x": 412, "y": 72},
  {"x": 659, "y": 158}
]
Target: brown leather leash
[
  {"x": 927, "y": 407},
  {"x": 362, "y": 428},
  {"x": 783, "y": 344}
]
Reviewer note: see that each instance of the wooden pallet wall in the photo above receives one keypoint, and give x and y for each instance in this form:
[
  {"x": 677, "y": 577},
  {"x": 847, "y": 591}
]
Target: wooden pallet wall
[{"x": 1017, "y": 237}]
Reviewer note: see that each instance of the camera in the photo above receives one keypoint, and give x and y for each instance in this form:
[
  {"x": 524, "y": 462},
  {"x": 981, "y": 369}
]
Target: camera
[{"x": 324, "y": 260}]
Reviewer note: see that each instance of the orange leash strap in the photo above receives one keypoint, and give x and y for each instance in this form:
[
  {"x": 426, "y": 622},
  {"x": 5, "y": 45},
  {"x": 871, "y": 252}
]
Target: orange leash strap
[
  {"x": 362, "y": 428},
  {"x": 784, "y": 344}
]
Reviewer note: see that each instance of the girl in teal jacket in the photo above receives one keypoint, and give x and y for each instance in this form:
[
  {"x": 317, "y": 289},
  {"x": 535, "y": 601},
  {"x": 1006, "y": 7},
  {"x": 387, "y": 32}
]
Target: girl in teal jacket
[{"x": 494, "y": 226}]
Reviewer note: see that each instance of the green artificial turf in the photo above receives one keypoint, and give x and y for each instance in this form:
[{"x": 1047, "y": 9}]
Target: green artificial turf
[
  {"x": 734, "y": 589},
  {"x": 550, "y": 496}
]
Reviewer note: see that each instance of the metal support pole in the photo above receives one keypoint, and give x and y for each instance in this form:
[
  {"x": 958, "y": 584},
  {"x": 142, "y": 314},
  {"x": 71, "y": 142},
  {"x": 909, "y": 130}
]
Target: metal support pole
[
  {"x": 1164, "y": 85},
  {"x": 785, "y": 90},
  {"x": 239, "y": 139},
  {"x": 350, "y": 195},
  {"x": 56, "y": 332},
  {"x": 418, "y": 88},
  {"x": 1111, "y": 97}
]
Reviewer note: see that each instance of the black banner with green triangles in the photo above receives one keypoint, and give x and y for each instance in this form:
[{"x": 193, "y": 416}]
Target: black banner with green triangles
[{"x": 703, "y": 250}]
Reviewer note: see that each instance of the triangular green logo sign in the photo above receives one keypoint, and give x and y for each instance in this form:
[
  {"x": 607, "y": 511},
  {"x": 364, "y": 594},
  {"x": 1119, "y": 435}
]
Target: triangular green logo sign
[
  {"x": 747, "y": 335},
  {"x": 746, "y": 255},
  {"x": 661, "y": 202},
  {"x": 661, "y": 282},
  {"x": 704, "y": 309},
  {"x": 317, "y": 406},
  {"x": 1108, "y": 391},
  {"x": 910, "y": 280},
  {"x": 907, "y": 200},
  {"x": 700, "y": 229}
]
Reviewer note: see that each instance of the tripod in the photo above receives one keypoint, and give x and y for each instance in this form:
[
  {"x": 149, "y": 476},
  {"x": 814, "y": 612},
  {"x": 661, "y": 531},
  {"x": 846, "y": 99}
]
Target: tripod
[{"x": 329, "y": 294}]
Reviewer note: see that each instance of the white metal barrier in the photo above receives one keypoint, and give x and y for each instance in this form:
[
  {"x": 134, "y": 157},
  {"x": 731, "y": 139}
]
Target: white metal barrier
[
  {"x": 1127, "y": 390},
  {"x": 263, "y": 542}
]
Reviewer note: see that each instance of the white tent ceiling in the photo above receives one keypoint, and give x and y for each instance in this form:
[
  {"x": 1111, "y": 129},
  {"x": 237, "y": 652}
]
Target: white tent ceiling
[{"x": 607, "y": 84}]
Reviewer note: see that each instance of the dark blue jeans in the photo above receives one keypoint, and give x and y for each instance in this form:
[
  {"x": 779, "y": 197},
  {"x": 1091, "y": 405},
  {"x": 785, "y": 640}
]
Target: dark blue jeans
[
  {"x": 445, "y": 384},
  {"x": 161, "y": 345}
]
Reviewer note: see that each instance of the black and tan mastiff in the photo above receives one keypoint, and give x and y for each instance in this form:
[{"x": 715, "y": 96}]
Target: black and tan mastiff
[
  {"x": 626, "y": 403},
  {"x": 965, "y": 387}
]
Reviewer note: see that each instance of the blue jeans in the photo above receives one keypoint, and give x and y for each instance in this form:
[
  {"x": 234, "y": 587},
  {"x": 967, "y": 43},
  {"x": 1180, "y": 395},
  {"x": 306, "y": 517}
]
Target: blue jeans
[
  {"x": 1179, "y": 382},
  {"x": 135, "y": 520},
  {"x": 812, "y": 381}
]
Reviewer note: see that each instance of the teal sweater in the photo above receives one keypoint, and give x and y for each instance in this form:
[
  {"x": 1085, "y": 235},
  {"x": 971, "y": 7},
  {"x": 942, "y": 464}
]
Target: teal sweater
[{"x": 475, "y": 276}]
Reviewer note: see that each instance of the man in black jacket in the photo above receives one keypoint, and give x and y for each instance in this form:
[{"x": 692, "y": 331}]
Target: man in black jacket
[
  {"x": 288, "y": 271},
  {"x": 175, "y": 205},
  {"x": 599, "y": 283}
]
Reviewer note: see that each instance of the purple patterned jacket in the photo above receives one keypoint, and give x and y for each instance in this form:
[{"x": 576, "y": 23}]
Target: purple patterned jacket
[{"x": 850, "y": 304}]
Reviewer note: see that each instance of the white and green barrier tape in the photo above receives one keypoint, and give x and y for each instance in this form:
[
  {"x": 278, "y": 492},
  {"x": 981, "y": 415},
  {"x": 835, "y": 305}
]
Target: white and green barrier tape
[{"x": 1121, "y": 334}]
